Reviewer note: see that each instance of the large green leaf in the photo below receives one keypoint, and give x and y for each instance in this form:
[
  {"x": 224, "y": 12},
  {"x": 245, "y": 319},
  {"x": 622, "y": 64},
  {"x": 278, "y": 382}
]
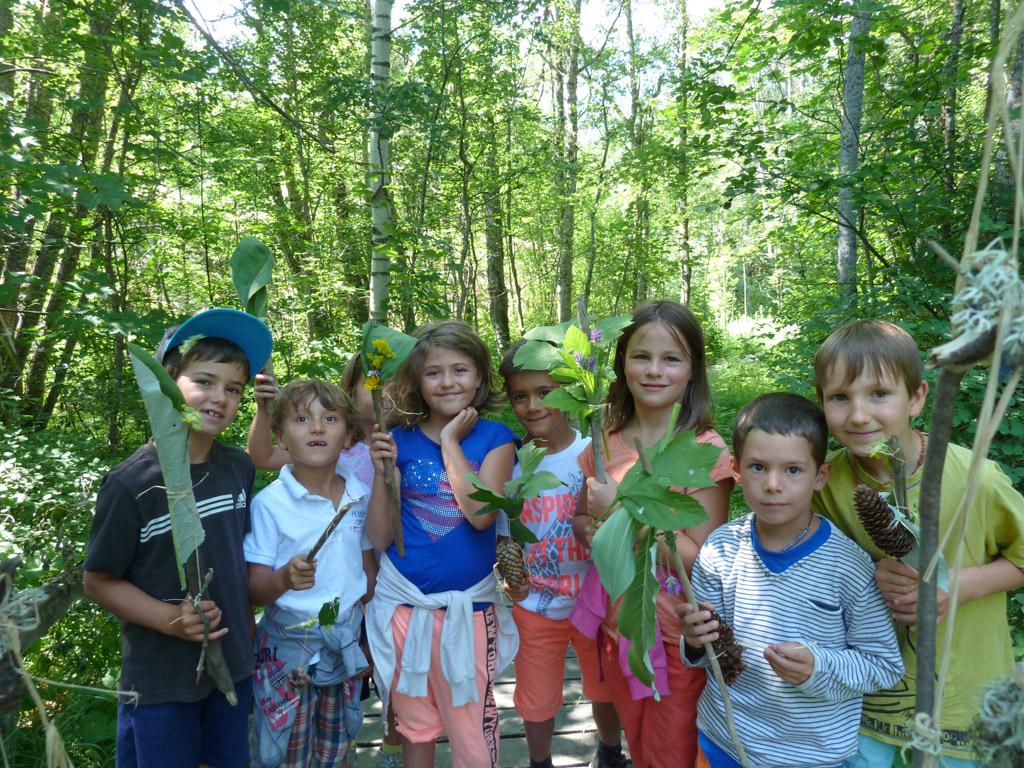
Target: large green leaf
[
  {"x": 492, "y": 501},
  {"x": 553, "y": 333},
  {"x": 170, "y": 433},
  {"x": 167, "y": 385},
  {"x": 566, "y": 401},
  {"x": 663, "y": 508},
  {"x": 612, "y": 552},
  {"x": 252, "y": 266},
  {"x": 520, "y": 532},
  {"x": 576, "y": 341},
  {"x": 682, "y": 462},
  {"x": 537, "y": 356},
  {"x": 637, "y": 615},
  {"x": 611, "y": 327},
  {"x": 401, "y": 345},
  {"x": 536, "y": 483},
  {"x": 530, "y": 455}
]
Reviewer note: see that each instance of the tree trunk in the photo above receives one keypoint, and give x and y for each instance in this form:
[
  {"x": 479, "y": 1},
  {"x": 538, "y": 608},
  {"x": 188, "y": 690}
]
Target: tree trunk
[
  {"x": 497, "y": 291},
  {"x": 640, "y": 206},
  {"x": 39, "y": 366},
  {"x": 598, "y": 195},
  {"x": 949, "y": 113},
  {"x": 685, "y": 266},
  {"x": 567, "y": 74},
  {"x": 381, "y": 208},
  {"x": 6, "y": 67},
  {"x": 464, "y": 277},
  {"x": 849, "y": 151},
  {"x": 38, "y": 114}
]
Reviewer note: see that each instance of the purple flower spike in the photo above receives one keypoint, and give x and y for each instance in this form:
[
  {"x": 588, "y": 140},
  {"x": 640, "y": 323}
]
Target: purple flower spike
[
  {"x": 595, "y": 335},
  {"x": 588, "y": 362}
]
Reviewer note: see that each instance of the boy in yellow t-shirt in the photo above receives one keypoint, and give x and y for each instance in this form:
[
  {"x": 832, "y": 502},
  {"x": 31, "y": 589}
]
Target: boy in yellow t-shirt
[{"x": 868, "y": 377}]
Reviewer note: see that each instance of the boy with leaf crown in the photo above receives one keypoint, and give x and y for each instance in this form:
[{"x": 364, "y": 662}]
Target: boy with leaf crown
[
  {"x": 307, "y": 679},
  {"x": 869, "y": 378},
  {"x": 131, "y": 567},
  {"x": 556, "y": 564},
  {"x": 799, "y": 597}
]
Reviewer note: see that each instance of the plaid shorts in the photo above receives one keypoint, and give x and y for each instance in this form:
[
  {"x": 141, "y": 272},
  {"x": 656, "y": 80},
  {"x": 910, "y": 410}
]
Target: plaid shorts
[{"x": 322, "y": 731}]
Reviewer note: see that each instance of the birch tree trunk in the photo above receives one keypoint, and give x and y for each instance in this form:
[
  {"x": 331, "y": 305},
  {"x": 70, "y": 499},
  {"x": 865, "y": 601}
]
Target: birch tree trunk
[
  {"x": 849, "y": 151},
  {"x": 381, "y": 209}
]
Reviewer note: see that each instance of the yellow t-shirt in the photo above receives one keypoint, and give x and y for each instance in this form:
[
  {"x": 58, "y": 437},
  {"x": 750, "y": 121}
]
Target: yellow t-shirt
[{"x": 981, "y": 647}]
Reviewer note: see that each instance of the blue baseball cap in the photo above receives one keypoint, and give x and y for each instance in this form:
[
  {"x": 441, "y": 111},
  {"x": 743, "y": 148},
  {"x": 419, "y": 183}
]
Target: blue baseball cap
[{"x": 248, "y": 332}]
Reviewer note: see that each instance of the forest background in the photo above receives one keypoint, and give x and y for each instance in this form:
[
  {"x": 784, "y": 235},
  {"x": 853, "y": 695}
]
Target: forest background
[{"x": 778, "y": 166}]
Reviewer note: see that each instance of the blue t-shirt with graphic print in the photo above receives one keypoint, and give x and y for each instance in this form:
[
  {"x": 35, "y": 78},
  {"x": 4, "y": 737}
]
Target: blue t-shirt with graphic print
[{"x": 442, "y": 550}]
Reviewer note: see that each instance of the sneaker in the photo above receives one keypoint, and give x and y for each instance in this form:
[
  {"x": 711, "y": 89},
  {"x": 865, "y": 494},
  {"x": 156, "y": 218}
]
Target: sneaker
[
  {"x": 617, "y": 760},
  {"x": 388, "y": 760}
]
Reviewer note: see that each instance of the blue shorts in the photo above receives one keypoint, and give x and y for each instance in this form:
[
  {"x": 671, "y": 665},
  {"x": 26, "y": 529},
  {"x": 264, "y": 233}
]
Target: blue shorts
[
  {"x": 183, "y": 735},
  {"x": 872, "y": 753}
]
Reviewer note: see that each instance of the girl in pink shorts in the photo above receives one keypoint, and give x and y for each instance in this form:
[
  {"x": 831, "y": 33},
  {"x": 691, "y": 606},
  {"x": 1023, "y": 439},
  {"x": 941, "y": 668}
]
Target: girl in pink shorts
[{"x": 438, "y": 632}]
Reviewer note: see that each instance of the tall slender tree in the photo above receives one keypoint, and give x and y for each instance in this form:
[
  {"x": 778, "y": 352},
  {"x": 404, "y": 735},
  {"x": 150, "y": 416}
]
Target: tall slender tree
[{"x": 849, "y": 150}]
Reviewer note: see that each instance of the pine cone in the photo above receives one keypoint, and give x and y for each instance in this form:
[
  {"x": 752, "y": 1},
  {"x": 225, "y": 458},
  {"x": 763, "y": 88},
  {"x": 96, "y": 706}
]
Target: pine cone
[
  {"x": 880, "y": 522},
  {"x": 728, "y": 651},
  {"x": 512, "y": 565}
]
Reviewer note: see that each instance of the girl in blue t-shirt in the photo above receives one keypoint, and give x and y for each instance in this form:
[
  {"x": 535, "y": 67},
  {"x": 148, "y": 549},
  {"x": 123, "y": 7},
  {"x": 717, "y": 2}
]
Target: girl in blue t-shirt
[{"x": 438, "y": 633}]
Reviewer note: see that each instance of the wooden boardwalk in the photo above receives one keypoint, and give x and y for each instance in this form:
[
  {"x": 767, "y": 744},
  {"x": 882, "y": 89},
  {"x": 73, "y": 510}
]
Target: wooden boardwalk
[{"x": 574, "y": 742}]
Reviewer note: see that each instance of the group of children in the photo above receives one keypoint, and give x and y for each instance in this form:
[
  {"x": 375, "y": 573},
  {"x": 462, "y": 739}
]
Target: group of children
[{"x": 825, "y": 619}]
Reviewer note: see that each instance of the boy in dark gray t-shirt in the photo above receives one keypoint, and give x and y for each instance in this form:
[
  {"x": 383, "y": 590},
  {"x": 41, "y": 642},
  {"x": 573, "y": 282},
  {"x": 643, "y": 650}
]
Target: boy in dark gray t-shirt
[{"x": 131, "y": 567}]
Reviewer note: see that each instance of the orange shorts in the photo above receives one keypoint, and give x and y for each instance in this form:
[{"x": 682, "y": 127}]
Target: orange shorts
[
  {"x": 472, "y": 728},
  {"x": 661, "y": 734},
  {"x": 540, "y": 665}
]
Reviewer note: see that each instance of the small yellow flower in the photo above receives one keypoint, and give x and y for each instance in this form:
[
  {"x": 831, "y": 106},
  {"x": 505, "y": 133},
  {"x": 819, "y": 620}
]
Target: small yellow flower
[
  {"x": 382, "y": 346},
  {"x": 372, "y": 381},
  {"x": 191, "y": 416},
  {"x": 376, "y": 361}
]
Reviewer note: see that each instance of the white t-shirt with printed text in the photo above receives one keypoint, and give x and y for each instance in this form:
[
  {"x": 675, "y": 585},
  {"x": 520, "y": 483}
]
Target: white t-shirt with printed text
[{"x": 558, "y": 562}]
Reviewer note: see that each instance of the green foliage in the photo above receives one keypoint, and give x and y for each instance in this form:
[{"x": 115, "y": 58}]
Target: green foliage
[
  {"x": 252, "y": 266},
  {"x": 582, "y": 364},
  {"x": 385, "y": 346},
  {"x": 517, "y": 491},
  {"x": 328, "y": 613},
  {"x": 624, "y": 548},
  {"x": 1016, "y": 616}
]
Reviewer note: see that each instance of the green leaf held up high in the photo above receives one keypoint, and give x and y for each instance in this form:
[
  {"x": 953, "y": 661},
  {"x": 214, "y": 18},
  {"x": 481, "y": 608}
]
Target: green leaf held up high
[
  {"x": 252, "y": 266},
  {"x": 170, "y": 433}
]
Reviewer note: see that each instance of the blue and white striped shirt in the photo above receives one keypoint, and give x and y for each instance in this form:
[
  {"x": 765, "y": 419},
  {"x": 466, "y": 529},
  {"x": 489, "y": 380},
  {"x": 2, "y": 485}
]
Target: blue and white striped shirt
[{"x": 821, "y": 593}]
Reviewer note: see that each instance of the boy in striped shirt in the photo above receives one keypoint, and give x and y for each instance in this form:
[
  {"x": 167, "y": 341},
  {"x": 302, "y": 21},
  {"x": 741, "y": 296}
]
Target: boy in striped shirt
[{"x": 800, "y": 597}]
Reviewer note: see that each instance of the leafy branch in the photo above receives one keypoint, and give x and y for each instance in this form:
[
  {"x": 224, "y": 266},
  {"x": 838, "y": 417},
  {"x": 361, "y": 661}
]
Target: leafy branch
[
  {"x": 579, "y": 356},
  {"x": 383, "y": 352}
]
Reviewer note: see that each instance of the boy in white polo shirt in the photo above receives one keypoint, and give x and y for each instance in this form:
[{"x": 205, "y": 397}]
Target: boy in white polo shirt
[{"x": 307, "y": 674}]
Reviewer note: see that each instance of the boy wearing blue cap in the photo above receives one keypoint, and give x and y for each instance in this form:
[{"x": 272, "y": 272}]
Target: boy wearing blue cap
[{"x": 131, "y": 569}]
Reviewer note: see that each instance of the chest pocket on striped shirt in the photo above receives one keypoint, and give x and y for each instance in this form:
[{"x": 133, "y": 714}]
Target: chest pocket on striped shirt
[{"x": 825, "y": 622}]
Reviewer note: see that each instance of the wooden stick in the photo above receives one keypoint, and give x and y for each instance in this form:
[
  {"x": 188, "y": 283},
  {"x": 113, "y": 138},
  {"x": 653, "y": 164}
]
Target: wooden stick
[
  {"x": 213, "y": 654},
  {"x": 327, "y": 532},
  {"x": 928, "y": 517},
  {"x": 389, "y": 479},
  {"x": 597, "y": 420}
]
